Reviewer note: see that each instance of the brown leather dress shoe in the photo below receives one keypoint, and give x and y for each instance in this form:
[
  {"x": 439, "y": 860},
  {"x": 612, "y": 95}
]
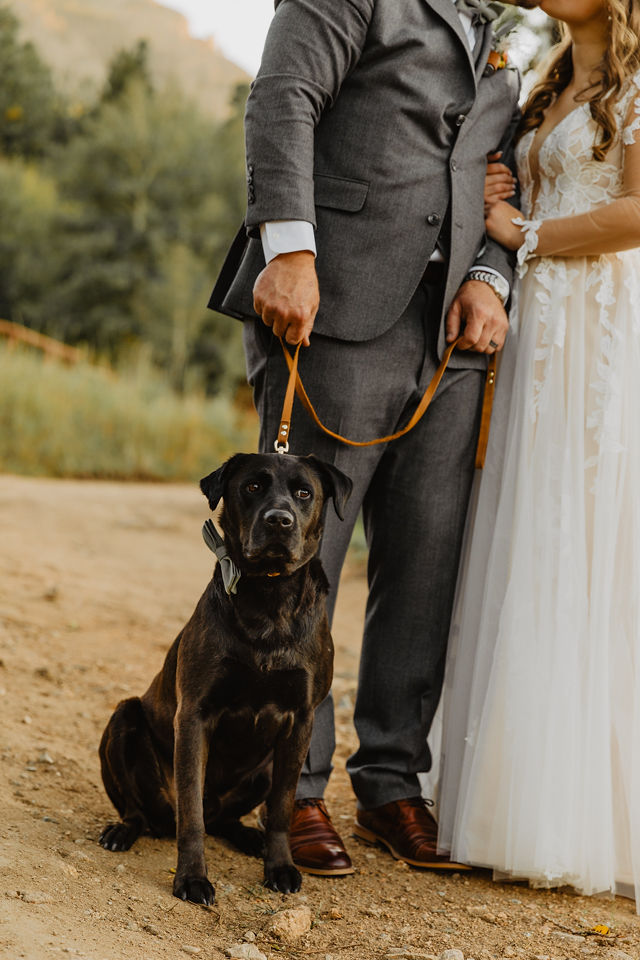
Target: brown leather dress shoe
[
  {"x": 315, "y": 846},
  {"x": 408, "y": 831}
]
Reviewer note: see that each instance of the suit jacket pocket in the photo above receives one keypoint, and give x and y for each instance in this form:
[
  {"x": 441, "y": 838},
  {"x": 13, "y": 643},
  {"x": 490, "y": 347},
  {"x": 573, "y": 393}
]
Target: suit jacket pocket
[{"x": 340, "y": 193}]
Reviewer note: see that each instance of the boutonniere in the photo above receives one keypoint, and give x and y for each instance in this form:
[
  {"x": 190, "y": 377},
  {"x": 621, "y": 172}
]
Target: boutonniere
[
  {"x": 503, "y": 27},
  {"x": 497, "y": 61}
]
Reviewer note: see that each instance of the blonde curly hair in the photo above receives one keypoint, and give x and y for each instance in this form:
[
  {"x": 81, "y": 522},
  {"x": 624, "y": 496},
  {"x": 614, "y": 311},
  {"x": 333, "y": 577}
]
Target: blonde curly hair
[{"x": 621, "y": 59}]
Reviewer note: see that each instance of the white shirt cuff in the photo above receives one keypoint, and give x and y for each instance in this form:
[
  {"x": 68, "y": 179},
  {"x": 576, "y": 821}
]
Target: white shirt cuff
[{"x": 286, "y": 236}]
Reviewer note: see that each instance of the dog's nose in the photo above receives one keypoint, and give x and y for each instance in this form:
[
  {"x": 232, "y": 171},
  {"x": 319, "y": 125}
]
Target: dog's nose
[{"x": 279, "y": 518}]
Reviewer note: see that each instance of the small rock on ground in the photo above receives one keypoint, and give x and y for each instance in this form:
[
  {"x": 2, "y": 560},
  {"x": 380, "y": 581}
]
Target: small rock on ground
[
  {"x": 452, "y": 955},
  {"x": 35, "y": 896},
  {"x": 572, "y": 937},
  {"x": 291, "y": 924},
  {"x": 409, "y": 953},
  {"x": 244, "y": 951}
]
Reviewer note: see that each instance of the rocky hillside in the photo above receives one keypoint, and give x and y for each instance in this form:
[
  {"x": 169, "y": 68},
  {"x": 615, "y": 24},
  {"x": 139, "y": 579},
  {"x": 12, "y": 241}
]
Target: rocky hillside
[{"x": 78, "y": 38}]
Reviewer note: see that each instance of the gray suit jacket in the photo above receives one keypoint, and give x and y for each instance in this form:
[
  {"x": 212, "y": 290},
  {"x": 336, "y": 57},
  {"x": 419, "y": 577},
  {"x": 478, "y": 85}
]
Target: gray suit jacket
[{"x": 371, "y": 119}]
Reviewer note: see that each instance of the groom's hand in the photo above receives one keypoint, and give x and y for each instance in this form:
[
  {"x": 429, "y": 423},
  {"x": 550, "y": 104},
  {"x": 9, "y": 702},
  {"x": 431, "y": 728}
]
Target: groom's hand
[
  {"x": 287, "y": 297},
  {"x": 477, "y": 313}
]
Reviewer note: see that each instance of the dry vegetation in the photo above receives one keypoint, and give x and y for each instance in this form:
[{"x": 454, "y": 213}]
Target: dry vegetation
[{"x": 88, "y": 421}]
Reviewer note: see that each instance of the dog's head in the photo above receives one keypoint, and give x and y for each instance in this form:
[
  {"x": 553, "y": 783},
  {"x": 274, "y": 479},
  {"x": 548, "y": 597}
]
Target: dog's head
[{"x": 273, "y": 508}]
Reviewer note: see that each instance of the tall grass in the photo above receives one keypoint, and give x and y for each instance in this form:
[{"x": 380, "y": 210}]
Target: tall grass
[{"x": 84, "y": 421}]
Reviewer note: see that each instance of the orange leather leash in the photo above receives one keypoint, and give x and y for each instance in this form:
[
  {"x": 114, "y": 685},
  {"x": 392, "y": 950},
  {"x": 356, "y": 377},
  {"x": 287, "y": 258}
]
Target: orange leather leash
[{"x": 295, "y": 385}]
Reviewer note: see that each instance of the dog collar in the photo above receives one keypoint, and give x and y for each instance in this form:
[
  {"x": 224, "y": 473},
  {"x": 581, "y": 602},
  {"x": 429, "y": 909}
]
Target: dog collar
[{"x": 230, "y": 572}]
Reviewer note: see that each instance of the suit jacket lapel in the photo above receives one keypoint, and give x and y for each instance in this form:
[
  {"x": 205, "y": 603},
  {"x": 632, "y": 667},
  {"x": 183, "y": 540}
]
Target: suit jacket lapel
[
  {"x": 482, "y": 50},
  {"x": 448, "y": 12}
]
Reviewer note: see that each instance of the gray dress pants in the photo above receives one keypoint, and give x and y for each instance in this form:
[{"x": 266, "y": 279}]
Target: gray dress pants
[{"x": 414, "y": 494}]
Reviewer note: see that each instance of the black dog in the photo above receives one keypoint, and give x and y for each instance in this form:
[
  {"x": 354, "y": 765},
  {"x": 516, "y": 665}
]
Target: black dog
[{"x": 226, "y": 723}]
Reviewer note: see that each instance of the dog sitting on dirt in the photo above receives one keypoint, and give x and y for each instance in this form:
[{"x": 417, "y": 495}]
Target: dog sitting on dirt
[{"x": 226, "y": 723}]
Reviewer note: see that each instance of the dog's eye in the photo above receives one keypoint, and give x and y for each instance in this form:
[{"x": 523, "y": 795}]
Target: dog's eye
[
  {"x": 303, "y": 493},
  {"x": 252, "y": 487}
]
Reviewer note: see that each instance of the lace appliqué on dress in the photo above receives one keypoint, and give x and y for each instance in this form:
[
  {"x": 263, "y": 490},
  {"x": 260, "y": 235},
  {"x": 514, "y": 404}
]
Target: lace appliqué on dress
[
  {"x": 605, "y": 389},
  {"x": 628, "y": 134},
  {"x": 554, "y": 281},
  {"x": 571, "y": 182},
  {"x": 528, "y": 247}
]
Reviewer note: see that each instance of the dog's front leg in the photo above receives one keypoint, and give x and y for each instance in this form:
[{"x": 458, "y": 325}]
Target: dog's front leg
[
  {"x": 288, "y": 756},
  {"x": 190, "y": 760}
]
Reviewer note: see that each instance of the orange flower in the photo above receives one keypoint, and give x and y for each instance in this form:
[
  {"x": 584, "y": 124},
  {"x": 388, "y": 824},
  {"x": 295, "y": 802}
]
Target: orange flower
[{"x": 497, "y": 61}]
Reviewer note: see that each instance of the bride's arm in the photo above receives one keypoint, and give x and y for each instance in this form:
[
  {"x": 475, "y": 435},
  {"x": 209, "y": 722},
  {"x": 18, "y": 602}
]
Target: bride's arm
[{"x": 608, "y": 229}]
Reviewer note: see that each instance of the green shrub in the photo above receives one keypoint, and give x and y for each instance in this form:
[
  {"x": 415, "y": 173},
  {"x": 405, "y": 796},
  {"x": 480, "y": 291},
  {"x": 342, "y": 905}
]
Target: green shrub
[{"x": 85, "y": 421}]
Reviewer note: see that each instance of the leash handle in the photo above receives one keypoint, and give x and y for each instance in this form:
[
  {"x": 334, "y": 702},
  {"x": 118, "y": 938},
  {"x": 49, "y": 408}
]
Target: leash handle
[
  {"x": 282, "y": 440},
  {"x": 295, "y": 386}
]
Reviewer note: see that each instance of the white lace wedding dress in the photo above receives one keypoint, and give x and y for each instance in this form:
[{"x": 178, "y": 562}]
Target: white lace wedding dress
[{"x": 541, "y": 752}]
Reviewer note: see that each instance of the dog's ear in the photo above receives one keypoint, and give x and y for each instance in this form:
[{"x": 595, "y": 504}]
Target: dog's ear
[
  {"x": 336, "y": 484},
  {"x": 213, "y": 485}
]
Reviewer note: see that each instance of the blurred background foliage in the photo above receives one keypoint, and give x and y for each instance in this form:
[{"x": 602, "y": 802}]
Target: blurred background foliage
[
  {"x": 116, "y": 215},
  {"x": 117, "y": 210}
]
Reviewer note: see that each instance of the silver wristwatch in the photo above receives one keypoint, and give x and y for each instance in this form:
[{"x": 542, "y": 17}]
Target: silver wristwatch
[{"x": 498, "y": 284}]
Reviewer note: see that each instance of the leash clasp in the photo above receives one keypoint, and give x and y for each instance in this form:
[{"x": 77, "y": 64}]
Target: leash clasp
[{"x": 281, "y": 445}]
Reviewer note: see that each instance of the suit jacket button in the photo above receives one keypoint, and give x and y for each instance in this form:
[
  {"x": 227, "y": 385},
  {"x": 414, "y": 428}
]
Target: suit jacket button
[
  {"x": 454, "y": 165},
  {"x": 460, "y": 119},
  {"x": 433, "y": 219},
  {"x": 250, "y": 168}
]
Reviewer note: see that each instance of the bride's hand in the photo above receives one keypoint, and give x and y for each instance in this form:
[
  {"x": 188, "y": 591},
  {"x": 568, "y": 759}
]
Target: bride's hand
[
  {"x": 500, "y": 225},
  {"x": 499, "y": 184}
]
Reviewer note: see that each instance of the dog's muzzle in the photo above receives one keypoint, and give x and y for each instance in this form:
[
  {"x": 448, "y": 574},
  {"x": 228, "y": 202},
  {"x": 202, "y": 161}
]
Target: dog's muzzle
[{"x": 282, "y": 519}]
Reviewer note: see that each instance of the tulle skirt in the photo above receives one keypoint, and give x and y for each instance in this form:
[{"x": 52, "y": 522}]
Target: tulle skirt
[{"x": 540, "y": 773}]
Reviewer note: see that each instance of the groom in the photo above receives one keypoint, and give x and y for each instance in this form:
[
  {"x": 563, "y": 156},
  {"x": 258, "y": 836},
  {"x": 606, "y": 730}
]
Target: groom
[{"x": 367, "y": 133}]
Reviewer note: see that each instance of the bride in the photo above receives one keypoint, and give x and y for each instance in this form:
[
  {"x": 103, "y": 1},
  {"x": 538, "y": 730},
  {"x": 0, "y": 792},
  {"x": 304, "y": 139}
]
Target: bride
[{"x": 542, "y": 706}]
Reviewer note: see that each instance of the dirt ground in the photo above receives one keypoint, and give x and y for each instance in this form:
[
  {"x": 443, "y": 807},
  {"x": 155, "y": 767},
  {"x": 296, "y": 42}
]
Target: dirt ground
[{"x": 95, "y": 581}]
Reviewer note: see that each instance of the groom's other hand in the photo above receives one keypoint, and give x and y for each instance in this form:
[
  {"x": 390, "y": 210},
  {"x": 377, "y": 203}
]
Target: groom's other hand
[
  {"x": 478, "y": 314},
  {"x": 499, "y": 183},
  {"x": 287, "y": 297}
]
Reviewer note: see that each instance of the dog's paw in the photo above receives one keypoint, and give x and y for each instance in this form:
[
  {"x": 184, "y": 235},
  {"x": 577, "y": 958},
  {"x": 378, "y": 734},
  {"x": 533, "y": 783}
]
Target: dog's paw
[
  {"x": 283, "y": 878},
  {"x": 119, "y": 836},
  {"x": 194, "y": 889}
]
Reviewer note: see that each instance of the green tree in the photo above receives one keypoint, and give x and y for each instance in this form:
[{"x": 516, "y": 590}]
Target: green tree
[
  {"x": 154, "y": 206},
  {"x": 172, "y": 313},
  {"x": 114, "y": 231},
  {"x": 32, "y": 113},
  {"x": 29, "y": 247},
  {"x": 128, "y": 66},
  {"x": 218, "y": 348}
]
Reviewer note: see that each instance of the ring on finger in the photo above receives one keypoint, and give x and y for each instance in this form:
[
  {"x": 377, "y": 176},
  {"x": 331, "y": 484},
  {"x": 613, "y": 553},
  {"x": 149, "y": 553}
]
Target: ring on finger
[{"x": 493, "y": 344}]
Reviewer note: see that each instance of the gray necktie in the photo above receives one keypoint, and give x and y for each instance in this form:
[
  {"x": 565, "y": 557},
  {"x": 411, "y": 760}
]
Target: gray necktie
[{"x": 480, "y": 11}]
